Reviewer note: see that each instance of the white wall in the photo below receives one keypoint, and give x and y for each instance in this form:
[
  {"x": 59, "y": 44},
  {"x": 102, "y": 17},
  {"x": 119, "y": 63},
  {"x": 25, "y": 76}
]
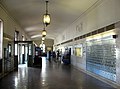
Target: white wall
[
  {"x": 100, "y": 15},
  {"x": 78, "y": 61},
  {"x": 10, "y": 25}
]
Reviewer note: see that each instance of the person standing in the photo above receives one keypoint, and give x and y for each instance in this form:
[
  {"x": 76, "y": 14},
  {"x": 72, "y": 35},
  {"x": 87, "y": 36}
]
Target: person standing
[
  {"x": 49, "y": 56},
  {"x": 58, "y": 55}
]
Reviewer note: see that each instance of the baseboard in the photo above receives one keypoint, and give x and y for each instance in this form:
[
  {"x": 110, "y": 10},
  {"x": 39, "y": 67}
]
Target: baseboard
[
  {"x": 5, "y": 74},
  {"x": 1, "y": 75}
]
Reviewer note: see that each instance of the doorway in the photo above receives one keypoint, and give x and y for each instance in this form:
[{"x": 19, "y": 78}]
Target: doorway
[{"x": 23, "y": 51}]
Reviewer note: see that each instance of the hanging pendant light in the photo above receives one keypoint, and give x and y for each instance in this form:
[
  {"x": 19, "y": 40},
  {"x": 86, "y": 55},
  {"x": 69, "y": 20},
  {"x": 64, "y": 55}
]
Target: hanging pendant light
[
  {"x": 43, "y": 38},
  {"x": 46, "y": 17},
  {"x": 44, "y": 33},
  {"x": 42, "y": 42}
]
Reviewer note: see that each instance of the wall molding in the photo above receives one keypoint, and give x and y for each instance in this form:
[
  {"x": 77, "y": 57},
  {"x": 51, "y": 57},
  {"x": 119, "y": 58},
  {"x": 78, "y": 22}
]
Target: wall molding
[
  {"x": 104, "y": 29},
  {"x": 101, "y": 30}
]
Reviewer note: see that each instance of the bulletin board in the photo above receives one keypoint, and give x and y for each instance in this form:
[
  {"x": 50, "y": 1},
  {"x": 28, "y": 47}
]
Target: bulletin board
[{"x": 101, "y": 57}]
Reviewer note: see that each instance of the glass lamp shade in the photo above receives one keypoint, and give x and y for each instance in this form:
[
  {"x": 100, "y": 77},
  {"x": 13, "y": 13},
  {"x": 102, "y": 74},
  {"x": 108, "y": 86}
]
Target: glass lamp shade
[
  {"x": 46, "y": 19},
  {"x": 44, "y": 33},
  {"x": 43, "y": 38},
  {"x": 42, "y": 42}
]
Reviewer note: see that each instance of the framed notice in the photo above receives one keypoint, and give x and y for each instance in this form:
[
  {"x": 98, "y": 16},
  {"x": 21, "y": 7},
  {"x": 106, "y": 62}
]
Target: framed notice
[{"x": 78, "y": 50}]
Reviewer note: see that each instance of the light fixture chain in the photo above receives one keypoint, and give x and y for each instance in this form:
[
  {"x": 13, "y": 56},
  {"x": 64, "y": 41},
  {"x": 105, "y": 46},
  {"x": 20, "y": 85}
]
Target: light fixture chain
[{"x": 46, "y": 7}]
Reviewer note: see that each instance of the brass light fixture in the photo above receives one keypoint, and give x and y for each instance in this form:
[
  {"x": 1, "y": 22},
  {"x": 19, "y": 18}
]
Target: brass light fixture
[
  {"x": 44, "y": 33},
  {"x": 42, "y": 42},
  {"x": 43, "y": 38},
  {"x": 46, "y": 17}
]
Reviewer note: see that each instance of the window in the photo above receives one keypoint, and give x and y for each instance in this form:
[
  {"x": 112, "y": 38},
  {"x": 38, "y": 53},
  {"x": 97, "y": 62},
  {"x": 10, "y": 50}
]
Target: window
[
  {"x": 23, "y": 49},
  {"x": 16, "y": 49},
  {"x": 30, "y": 49},
  {"x": 1, "y": 38},
  {"x": 23, "y": 38},
  {"x": 16, "y": 35}
]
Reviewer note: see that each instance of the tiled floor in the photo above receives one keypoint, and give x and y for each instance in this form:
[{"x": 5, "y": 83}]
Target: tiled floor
[{"x": 50, "y": 76}]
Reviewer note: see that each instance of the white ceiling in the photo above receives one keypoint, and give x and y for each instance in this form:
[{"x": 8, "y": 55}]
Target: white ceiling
[{"x": 29, "y": 14}]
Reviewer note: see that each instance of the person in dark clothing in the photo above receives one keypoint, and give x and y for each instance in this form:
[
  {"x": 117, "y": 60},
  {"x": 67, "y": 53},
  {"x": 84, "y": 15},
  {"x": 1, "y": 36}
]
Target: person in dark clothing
[
  {"x": 58, "y": 54},
  {"x": 49, "y": 56},
  {"x": 54, "y": 54}
]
